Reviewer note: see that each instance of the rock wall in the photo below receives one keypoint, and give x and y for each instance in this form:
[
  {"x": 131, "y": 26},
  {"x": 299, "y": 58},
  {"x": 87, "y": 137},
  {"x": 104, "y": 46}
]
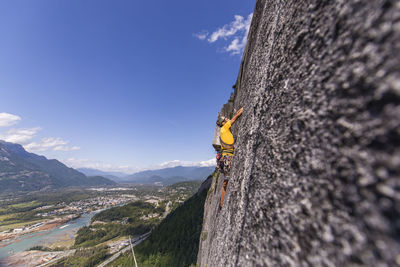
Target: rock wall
[{"x": 315, "y": 176}]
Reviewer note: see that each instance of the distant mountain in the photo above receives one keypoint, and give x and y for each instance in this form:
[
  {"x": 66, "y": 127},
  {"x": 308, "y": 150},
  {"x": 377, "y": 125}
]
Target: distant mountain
[
  {"x": 94, "y": 172},
  {"x": 24, "y": 171},
  {"x": 99, "y": 180},
  {"x": 169, "y": 175},
  {"x": 116, "y": 176}
]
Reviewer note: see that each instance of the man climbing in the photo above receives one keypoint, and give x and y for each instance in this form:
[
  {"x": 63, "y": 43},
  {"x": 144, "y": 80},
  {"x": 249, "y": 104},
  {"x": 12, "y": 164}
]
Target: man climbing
[{"x": 227, "y": 148}]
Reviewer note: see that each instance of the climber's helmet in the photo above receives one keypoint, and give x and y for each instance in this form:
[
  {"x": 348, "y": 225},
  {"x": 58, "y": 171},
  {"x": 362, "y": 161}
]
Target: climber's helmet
[{"x": 221, "y": 120}]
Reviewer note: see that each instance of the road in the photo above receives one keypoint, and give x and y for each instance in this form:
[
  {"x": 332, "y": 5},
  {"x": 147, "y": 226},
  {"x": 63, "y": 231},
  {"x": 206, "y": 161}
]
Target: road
[
  {"x": 135, "y": 241},
  {"x": 167, "y": 209}
]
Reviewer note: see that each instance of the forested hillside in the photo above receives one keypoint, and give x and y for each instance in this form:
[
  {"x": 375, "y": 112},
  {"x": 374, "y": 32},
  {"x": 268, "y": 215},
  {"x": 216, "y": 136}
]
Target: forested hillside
[
  {"x": 175, "y": 241},
  {"x": 24, "y": 171}
]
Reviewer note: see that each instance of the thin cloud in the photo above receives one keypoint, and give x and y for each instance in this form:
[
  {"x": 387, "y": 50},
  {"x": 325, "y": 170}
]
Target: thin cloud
[
  {"x": 175, "y": 163},
  {"x": 19, "y": 136},
  {"x": 129, "y": 169},
  {"x": 201, "y": 35},
  {"x": 26, "y": 136},
  {"x": 237, "y": 46},
  {"x": 66, "y": 148},
  {"x": 7, "y": 119},
  {"x": 234, "y": 47},
  {"x": 235, "y": 32},
  {"x": 98, "y": 165},
  {"x": 228, "y": 29},
  {"x": 50, "y": 143}
]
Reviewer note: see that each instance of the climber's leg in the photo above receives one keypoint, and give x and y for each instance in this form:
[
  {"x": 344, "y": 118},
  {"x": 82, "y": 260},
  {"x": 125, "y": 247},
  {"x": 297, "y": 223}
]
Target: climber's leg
[
  {"x": 221, "y": 165},
  {"x": 227, "y": 161}
]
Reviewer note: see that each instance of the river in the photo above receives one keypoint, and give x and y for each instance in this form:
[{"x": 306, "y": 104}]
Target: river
[{"x": 27, "y": 241}]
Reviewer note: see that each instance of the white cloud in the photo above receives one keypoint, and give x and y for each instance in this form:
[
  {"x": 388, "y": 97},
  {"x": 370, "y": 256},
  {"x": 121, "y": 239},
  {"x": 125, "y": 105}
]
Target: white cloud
[
  {"x": 25, "y": 136},
  {"x": 234, "y": 46},
  {"x": 201, "y": 35},
  {"x": 86, "y": 163},
  {"x": 19, "y": 136},
  {"x": 172, "y": 163},
  {"x": 237, "y": 29},
  {"x": 66, "y": 148},
  {"x": 208, "y": 163},
  {"x": 50, "y": 143},
  {"x": 175, "y": 163},
  {"x": 228, "y": 29},
  {"x": 7, "y": 119}
]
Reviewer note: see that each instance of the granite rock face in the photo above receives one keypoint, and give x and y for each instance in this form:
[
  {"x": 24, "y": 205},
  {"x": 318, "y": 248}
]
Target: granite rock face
[{"x": 315, "y": 179}]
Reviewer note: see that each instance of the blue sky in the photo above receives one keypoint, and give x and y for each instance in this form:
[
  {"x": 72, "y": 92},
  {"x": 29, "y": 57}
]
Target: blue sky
[{"x": 118, "y": 85}]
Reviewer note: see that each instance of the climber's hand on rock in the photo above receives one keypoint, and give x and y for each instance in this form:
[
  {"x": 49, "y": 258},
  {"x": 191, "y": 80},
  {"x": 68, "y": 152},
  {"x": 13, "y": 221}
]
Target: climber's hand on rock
[{"x": 238, "y": 113}]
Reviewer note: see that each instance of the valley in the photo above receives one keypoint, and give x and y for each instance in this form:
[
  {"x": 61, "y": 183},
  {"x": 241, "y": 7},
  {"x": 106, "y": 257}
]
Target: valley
[{"x": 82, "y": 219}]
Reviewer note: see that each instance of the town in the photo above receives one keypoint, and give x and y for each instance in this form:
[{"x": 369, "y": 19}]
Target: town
[{"x": 84, "y": 206}]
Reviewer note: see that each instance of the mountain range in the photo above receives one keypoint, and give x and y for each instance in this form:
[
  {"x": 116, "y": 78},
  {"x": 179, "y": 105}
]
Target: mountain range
[
  {"x": 170, "y": 175},
  {"x": 164, "y": 176},
  {"x": 24, "y": 171},
  {"x": 93, "y": 172}
]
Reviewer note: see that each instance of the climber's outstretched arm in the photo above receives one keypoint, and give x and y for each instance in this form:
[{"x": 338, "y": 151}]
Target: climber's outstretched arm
[{"x": 237, "y": 115}]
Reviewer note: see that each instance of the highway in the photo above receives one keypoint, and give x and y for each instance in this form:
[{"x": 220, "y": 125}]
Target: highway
[{"x": 135, "y": 241}]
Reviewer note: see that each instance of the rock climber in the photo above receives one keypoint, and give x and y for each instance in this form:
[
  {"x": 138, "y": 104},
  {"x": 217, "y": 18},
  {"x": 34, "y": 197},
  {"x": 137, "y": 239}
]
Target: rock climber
[{"x": 227, "y": 148}]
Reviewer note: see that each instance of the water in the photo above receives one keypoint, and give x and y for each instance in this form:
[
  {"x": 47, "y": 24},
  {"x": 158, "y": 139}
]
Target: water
[{"x": 44, "y": 237}]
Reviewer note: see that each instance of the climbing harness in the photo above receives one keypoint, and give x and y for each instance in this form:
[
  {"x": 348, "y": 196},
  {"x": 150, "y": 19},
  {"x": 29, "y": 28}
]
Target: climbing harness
[
  {"x": 227, "y": 152},
  {"x": 227, "y": 149},
  {"x": 225, "y": 145}
]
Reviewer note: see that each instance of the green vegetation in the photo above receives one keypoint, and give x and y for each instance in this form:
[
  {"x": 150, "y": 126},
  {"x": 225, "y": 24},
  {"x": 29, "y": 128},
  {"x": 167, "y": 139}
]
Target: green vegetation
[
  {"x": 89, "y": 236},
  {"x": 175, "y": 241},
  {"x": 131, "y": 212},
  {"x": 42, "y": 248},
  {"x": 85, "y": 257},
  {"x": 17, "y": 202},
  {"x": 14, "y": 215},
  {"x": 18, "y": 210},
  {"x": 132, "y": 219},
  {"x": 204, "y": 236},
  {"x": 181, "y": 191}
]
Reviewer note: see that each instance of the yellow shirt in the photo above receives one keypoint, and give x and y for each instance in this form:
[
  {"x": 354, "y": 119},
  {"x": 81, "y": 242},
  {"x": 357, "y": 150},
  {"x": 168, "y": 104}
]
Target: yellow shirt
[{"x": 226, "y": 135}]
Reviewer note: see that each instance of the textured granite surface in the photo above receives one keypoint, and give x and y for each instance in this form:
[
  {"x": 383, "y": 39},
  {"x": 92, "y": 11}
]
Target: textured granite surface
[{"x": 315, "y": 176}]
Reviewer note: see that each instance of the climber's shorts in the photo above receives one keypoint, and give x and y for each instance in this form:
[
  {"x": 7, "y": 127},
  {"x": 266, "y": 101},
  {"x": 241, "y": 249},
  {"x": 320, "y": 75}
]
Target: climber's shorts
[{"x": 224, "y": 164}]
